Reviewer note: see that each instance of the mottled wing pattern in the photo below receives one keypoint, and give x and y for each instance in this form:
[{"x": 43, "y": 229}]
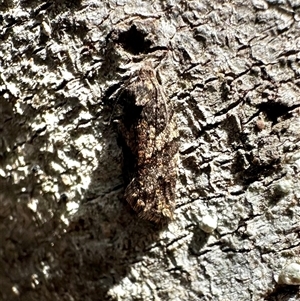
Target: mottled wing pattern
[{"x": 150, "y": 143}]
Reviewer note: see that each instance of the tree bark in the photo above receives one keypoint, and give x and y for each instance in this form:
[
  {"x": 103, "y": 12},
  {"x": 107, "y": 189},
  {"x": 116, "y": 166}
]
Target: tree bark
[{"x": 230, "y": 71}]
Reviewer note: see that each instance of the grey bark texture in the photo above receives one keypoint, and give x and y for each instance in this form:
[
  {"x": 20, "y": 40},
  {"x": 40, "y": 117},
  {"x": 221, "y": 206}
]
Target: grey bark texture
[{"x": 230, "y": 69}]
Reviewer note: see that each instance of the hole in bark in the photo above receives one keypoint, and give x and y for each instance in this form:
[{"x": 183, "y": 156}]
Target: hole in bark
[
  {"x": 274, "y": 110},
  {"x": 255, "y": 173},
  {"x": 134, "y": 41}
]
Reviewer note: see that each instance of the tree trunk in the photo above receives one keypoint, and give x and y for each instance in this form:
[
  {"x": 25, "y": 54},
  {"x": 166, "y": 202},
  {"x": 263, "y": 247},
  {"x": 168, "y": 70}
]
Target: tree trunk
[{"x": 229, "y": 76}]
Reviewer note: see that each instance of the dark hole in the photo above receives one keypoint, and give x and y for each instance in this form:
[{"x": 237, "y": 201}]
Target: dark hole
[
  {"x": 134, "y": 41},
  {"x": 274, "y": 110}
]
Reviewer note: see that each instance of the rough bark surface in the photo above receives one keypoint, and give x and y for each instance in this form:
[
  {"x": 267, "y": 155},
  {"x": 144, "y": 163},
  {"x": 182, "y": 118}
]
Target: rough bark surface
[{"x": 230, "y": 70}]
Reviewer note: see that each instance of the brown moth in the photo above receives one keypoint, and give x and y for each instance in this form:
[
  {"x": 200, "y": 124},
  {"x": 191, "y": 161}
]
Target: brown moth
[{"x": 149, "y": 137}]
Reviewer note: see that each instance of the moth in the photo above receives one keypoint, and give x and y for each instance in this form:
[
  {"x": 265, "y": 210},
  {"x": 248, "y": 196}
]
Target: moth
[{"x": 149, "y": 138}]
